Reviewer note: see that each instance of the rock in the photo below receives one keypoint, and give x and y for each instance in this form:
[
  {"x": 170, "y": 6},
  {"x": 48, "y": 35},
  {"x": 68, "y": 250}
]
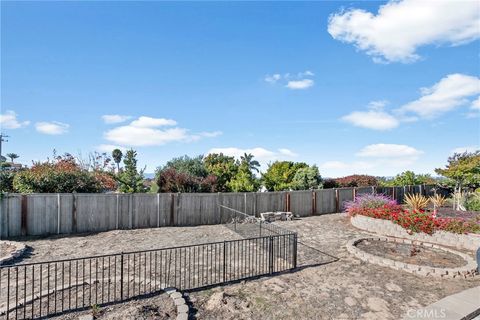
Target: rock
[
  {"x": 182, "y": 309},
  {"x": 175, "y": 295},
  {"x": 393, "y": 287},
  {"x": 216, "y": 300},
  {"x": 377, "y": 304},
  {"x": 179, "y": 301},
  {"x": 85, "y": 317},
  {"x": 350, "y": 301}
]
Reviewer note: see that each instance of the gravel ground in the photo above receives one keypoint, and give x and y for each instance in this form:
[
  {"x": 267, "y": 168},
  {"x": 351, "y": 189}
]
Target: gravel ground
[
  {"x": 343, "y": 289},
  {"x": 81, "y": 245},
  {"x": 5, "y": 249},
  {"x": 330, "y": 283},
  {"x": 412, "y": 254},
  {"x": 158, "y": 307}
]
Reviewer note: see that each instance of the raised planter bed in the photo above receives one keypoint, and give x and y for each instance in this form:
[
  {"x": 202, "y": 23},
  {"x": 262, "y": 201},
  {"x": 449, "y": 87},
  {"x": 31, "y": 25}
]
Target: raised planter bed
[
  {"x": 454, "y": 265},
  {"x": 388, "y": 228}
]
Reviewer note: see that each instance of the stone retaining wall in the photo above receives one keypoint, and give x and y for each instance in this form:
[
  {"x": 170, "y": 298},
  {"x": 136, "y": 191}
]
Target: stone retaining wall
[
  {"x": 468, "y": 270},
  {"x": 390, "y": 229}
]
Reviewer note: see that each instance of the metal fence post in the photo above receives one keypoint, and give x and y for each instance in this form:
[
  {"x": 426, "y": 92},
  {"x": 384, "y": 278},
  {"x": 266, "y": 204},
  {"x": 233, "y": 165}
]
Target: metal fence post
[
  {"x": 270, "y": 262},
  {"x": 224, "y": 261},
  {"x": 121, "y": 276},
  {"x": 295, "y": 240}
]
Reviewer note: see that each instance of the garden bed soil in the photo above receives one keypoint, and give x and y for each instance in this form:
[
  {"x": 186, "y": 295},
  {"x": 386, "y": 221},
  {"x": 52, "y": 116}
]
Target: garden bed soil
[
  {"x": 6, "y": 249},
  {"x": 445, "y": 212},
  {"x": 412, "y": 254},
  {"x": 158, "y": 307}
]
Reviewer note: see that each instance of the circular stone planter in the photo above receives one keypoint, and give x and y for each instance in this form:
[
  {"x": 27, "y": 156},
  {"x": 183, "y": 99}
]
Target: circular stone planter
[
  {"x": 467, "y": 270},
  {"x": 17, "y": 249}
]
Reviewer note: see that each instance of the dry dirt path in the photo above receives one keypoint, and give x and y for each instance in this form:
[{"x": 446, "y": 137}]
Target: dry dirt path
[{"x": 343, "y": 289}]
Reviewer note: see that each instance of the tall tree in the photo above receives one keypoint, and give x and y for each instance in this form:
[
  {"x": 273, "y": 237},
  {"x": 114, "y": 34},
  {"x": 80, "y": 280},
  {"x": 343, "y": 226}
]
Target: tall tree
[
  {"x": 13, "y": 156},
  {"x": 117, "y": 157},
  {"x": 279, "y": 175},
  {"x": 464, "y": 170},
  {"x": 252, "y": 165},
  {"x": 223, "y": 167},
  {"x": 307, "y": 178},
  {"x": 192, "y": 166},
  {"x": 244, "y": 180},
  {"x": 131, "y": 179}
]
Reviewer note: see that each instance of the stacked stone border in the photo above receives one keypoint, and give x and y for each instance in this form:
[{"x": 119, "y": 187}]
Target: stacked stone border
[
  {"x": 469, "y": 270},
  {"x": 390, "y": 229},
  {"x": 180, "y": 303},
  {"x": 17, "y": 252}
]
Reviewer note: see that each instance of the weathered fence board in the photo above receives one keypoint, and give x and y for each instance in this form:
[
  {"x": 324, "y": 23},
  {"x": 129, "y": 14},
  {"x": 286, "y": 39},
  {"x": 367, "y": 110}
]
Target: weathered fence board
[
  {"x": 344, "y": 195},
  {"x": 270, "y": 201},
  {"x": 43, "y": 214},
  {"x": 301, "y": 203},
  {"x": 326, "y": 201}
]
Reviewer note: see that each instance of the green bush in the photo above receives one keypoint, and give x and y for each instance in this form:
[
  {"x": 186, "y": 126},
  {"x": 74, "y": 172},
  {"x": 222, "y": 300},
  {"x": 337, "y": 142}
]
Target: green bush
[{"x": 472, "y": 201}]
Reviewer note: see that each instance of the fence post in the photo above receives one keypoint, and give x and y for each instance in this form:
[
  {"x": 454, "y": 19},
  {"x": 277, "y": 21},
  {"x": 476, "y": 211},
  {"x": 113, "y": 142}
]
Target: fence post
[
  {"x": 121, "y": 276},
  {"x": 270, "y": 262},
  {"x": 224, "y": 261},
  {"x": 158, "y": 210},
  {"x": 295, "y": 240},
  {"x": 24, "y": 215},
  {"x": 58, "y": 213},
  {"x": 337, "y": 200}
]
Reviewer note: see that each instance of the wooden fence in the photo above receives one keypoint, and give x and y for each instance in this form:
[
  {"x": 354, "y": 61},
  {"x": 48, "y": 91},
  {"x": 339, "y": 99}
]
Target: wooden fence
[{"x": 45, "y": 213}]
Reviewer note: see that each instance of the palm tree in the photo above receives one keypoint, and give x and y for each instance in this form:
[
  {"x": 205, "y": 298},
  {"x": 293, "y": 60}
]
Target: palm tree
[
  {"x": 117, "y": 157},
  {"x": 13, "y": 156},
  {"x": 251, "y": 164}
]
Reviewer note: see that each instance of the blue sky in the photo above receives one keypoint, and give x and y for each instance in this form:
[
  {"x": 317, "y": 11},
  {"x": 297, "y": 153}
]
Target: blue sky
[{"x": 354, "y": 87}]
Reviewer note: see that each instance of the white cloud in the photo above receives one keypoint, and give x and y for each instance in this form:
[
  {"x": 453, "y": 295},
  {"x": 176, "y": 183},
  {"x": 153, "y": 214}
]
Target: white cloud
[
  {"x": 149, "y": 122},
  {"x": 287, "y": 152},
  {"x": 381, "y": 160},
  {"x": 401, "y": 27},
  {"x": 273, "y": 78},
  {"x": 300, "y": 84},
  {"x": 148, "y": 131},
  {"x": 115, "y": 118},
  {"x": 465, "y": 149},
  {"x": 475, "y": 104},
  {"x": 52, "y": 128},
  {"x": 295, "y": 82},
  {"x": 384, "y": 150},
  {"x": 375, "y": 118},
  {"x": 261, "y": 154},
  {"x": 8, "y": 120},
  {"x": 449, "y": 93}
]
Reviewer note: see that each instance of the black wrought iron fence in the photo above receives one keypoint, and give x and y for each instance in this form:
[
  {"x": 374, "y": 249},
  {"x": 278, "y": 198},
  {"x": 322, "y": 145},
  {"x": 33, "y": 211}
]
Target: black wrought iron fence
[{"x": 36, "y": 290}]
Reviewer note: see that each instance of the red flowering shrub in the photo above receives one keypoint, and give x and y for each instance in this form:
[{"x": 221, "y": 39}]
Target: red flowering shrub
[{"x": 413, "y": 221}]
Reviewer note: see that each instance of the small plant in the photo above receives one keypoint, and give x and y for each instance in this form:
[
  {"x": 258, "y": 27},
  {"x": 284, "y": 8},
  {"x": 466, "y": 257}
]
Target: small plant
[
  {"x": 437, "y": 200},
  {"x": 416, "y": 202},
  {"x": 414, "y": 251},
  {"x": 95, "y": 310}
]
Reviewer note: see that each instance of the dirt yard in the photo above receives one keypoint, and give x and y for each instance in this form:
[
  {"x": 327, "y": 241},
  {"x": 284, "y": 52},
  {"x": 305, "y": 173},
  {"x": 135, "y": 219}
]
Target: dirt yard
[
  {"x": 345, "y": 289},
  {"x": 330, "y": 283}
]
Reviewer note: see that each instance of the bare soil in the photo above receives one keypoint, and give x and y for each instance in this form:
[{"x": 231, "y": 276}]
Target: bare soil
[
  {"x": 412, "y": 254},
  {"x": 339, "y": 289},
  {"x": 116, "y": 241},
  {"x": 5, "y": 249},
  {"x": 158, "y": 307}
]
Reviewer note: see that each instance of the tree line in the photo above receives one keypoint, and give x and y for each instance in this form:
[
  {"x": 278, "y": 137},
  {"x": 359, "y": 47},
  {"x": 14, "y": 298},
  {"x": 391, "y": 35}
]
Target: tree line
[{"x": 119, "y": 172}]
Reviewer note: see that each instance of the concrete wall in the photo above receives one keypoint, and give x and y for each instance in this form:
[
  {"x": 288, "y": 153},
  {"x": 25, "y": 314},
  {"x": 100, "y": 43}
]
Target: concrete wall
[{"x": 43, "y": 214}]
